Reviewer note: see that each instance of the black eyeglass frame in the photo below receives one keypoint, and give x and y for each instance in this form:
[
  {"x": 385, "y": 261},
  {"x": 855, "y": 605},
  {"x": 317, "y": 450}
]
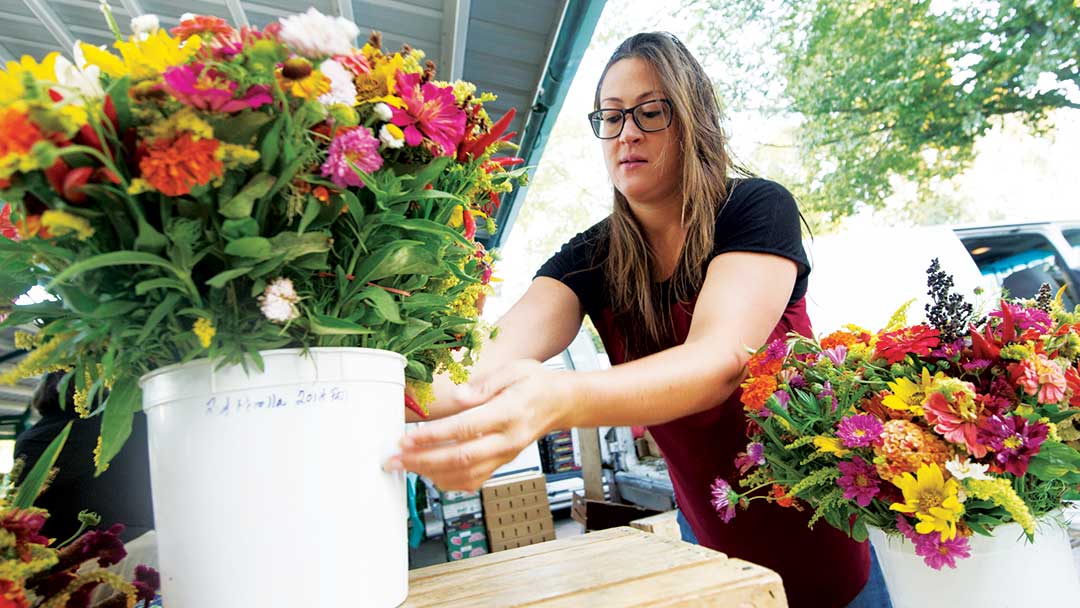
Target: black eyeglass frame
[{"x": 595, "y": 117}]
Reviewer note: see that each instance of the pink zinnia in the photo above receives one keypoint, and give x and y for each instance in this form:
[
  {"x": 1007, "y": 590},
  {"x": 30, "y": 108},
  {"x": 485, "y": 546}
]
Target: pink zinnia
[
  {"x": 836, "y": 354},
  {"x": 724, "y": 499},
  {"x": 431, "y": 112},
  {"x": 206, "y": 89},
  {"x": 859, "y": 431},
  {"x": 754, "y": 456},
  {"x": 859, "y": 480},
  {"x": 357, "y": 146},
  {"x": 956, "y": 415},
  {"x": 1041, "y": 377},
  {"x": 937, "y": 553}
]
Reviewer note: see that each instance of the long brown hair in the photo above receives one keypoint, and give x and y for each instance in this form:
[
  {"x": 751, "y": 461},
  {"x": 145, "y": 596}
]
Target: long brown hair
[{"x": 706, "y": 165}]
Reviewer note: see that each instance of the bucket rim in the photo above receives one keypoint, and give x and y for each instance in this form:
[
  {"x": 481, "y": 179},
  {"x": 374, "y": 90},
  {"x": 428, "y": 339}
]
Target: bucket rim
[{"x": 274, "y": 352}]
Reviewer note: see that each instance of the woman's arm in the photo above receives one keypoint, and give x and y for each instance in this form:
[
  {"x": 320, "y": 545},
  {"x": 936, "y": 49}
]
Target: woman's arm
[
  {"x": 741, "y": 302},
  {"x": 539, "y": 326}
]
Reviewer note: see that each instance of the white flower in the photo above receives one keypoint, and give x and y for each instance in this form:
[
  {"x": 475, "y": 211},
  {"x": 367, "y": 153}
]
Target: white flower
[
  {"x": 965, "y": 469},
  {"x": 187, "y": 17},
  {"x": 144, "y": 26},
  {"x": 342, "y": 88},
  {"x": 79, "y": 78},
  {"x": 383, "y": 112},
  {"x": 278, "y": 301},
  {"x": 314, "y": 34},
  {"x": 389, "y": 139}
]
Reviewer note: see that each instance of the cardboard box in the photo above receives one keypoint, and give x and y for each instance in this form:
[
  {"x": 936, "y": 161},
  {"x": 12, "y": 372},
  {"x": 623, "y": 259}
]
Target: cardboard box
[
  {"x": 522, "y": 542},
  {"x": 465, "y": 507},
  {"x": 509, "y": 518},
  {"x": 516, "y": 503},
  {"x": 522, "y": 530},
  {"x": 530, "y": 482},
  {"x": 465, "y": 552},
  {"x": 456, "y": 496}
]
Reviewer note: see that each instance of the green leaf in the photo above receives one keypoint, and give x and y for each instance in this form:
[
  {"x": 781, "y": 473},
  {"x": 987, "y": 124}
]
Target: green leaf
[
  {"x": 255, "y": 247},
  {"x": 115, "y": 258},
  {"x": 149, "y": 239},
  {"x": 383, "y": 303},
  {"x": 271, "y": 145},
  {"x": 118, "y": 92},
  {"x": 240, "y": 206},
  {"x": 1055, "y": 460},
  {"x": 144, "y": 287},
  {"x": 241, "y": 128},
  {"x": 35, "y": 479},
  {"x": 429, "y": 227},
  {"x": 165, "y": 307},
  {"x": 291, "y": 245},
  {"x": 397, "y": 258},
  {"x": 310, "y": 213},
  {"x": 323, "y": 325},
  {"x": 236, "y": 229},
  {"x": 115, "y": 308},
  {"x": 219, "y": 280},
  {"x": 124, "y": 400}
]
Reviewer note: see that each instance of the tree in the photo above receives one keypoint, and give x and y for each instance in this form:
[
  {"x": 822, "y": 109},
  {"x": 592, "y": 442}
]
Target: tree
[{"x": 900, "y": 91}]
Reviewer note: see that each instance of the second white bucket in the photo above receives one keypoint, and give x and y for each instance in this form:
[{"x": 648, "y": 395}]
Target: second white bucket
[
  {"x": 268, "y": 486},
  {"x": 993, "y": 577}
]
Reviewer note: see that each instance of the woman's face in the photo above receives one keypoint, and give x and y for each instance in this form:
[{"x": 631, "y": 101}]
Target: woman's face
[{"x": 644, "y": 166}]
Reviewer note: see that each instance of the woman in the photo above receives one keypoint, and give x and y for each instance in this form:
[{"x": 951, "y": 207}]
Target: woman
[{"x": 692, "y": 267}]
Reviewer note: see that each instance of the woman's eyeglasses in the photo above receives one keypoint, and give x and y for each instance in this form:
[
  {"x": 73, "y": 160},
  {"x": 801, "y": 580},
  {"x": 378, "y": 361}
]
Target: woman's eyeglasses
[{"x": 650, "y": 116}]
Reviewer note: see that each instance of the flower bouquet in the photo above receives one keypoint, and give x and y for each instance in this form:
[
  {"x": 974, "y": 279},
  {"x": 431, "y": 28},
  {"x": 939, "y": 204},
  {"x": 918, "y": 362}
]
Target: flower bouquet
[
  {"x": 940, "y": 434},
  {"x": 36, "y": 571},
  {"x": 211, "y": 196}
]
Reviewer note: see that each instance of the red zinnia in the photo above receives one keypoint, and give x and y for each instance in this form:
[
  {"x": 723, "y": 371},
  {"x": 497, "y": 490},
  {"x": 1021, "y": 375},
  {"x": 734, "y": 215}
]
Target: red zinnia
[
  {"x": 893, "y": 346},
  {"x": 11, "y": 595},
  {"x": 7, "y": 229}
]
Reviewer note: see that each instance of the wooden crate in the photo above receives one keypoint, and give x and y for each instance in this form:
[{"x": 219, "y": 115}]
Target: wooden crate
[
  {"x": 614, "y": 568},
  {"x": 664, "y": 524}
]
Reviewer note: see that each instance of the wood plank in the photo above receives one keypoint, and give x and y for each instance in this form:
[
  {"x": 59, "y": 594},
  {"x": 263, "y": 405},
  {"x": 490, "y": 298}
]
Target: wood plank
[
  {"x": 591, "y": 463},
  {"x": 664, "y": 524},
  {"x": 618, "y": 567}
]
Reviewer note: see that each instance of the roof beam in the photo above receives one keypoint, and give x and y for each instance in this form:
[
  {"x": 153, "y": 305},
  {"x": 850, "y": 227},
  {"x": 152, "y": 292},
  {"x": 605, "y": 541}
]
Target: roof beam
[
  {"x": 455, "y": 29},
  {"x": 133, "y": 8},
  {"x": 239, "y": 17},
  {"x": 52, "y": 22},
  {"x": 345, "y": 9},
  {"x": 5, "y": 54}
]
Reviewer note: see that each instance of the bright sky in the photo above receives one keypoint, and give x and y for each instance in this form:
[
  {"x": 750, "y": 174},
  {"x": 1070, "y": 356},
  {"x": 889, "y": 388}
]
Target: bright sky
[{"x": 1016, "y": 176}]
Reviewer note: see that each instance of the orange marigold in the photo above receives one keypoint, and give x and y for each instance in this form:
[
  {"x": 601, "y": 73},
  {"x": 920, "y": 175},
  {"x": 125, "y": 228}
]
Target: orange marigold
[
  {"x": 17, "y": 136},
  {"x": 839, "y": 338},
  {"x": 756, "y": 391},
  {"x": 175, "y": 166},
  {"x": 762, "y": 364},
  {"x": 905, "y": 446}
]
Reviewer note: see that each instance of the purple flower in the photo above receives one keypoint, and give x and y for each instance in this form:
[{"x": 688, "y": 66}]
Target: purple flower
[
  {"x": 724, "y": 499},
  {"x": 859, "y": 480},
  {"x": 797, "y": 381},
  {"x": 147, "y": 582},
  {"x": 207, "y": 89},
  {"x": 1014, "y": 439},
  {"x": 836, "y": 354},
  {"x": 356, "y": 146},
  {"x": 1027, "y": 318},
  {"x": 937, "y": 553},
  {"x": 859, "y": 431},
  {"x": 754, "y": 456},
  {"x": 905, "y": 528},
  {"x": 828, "y": 394},
  {"x": 783, "y": 398},
  {"x": 777, "y": 350},
  {"x": 105, "y": 545},
  {"x": 949, "y": 350},
  {"x": 977, "y": 365}
]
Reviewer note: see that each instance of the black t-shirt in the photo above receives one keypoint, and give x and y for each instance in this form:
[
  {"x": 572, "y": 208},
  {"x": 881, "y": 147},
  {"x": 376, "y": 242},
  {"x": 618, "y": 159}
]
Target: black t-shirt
[{"x": 760, "y": 216}]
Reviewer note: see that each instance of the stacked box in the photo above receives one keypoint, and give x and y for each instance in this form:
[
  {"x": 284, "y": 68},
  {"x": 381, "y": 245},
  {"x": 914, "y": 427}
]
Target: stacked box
[
  {"x": 517, "y": 512},
  {"x": 557, "y": 452},
  {"x": 463, "y": 525}
]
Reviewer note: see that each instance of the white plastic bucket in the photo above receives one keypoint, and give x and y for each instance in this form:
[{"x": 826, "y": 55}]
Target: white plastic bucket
[
  {"x": 1004, "y": 570},
  {"x": 268, "y": 486}
]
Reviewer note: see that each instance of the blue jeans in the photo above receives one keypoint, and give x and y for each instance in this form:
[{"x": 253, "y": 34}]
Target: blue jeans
[{"x": 873, "y": 595}]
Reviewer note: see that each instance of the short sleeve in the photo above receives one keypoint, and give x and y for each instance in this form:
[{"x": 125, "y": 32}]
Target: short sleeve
[
  {"x": 761, "y": 216},
  {"x": 578, "y": 265}
]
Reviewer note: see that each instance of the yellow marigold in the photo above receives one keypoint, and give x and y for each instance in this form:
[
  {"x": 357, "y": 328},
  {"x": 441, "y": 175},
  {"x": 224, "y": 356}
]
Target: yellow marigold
[
  {"x": 12, "y": 76},
  {"x": 905, "y": 446},
  {"x": 143, "y": 58},
  {"x": 380, "y": 84},
  {"x": 839, "y": 338},
  {"x": 184, "y": 121},
  {"x": 1000, "y": 491},
  {"x": 205, "y": 331},
  {"x": 60, "y": 223}
]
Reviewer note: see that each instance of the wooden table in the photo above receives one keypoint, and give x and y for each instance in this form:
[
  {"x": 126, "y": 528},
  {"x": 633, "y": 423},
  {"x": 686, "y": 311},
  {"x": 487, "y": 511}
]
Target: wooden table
[{"x": 617, "y": 567}]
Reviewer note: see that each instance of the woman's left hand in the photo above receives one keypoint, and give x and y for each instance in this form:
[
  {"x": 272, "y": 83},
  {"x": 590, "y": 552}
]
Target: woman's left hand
[{"x": 511, "y": 406}]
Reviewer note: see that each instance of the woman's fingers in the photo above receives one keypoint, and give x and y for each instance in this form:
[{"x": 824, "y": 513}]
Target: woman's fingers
[
  {"x": 484, "y": 387},
  {"x": 459, "y": 466},
  {"x": 462, "y": 427}
]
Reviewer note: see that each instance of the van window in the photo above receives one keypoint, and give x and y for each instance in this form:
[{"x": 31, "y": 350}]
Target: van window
[
  {"x": 1073, "y": 236},
  {"x": 1021, "y": 263}
]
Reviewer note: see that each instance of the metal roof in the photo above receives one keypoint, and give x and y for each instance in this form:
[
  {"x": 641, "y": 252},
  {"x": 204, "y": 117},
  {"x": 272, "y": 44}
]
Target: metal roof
[{"x": 524, "y": 51}]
